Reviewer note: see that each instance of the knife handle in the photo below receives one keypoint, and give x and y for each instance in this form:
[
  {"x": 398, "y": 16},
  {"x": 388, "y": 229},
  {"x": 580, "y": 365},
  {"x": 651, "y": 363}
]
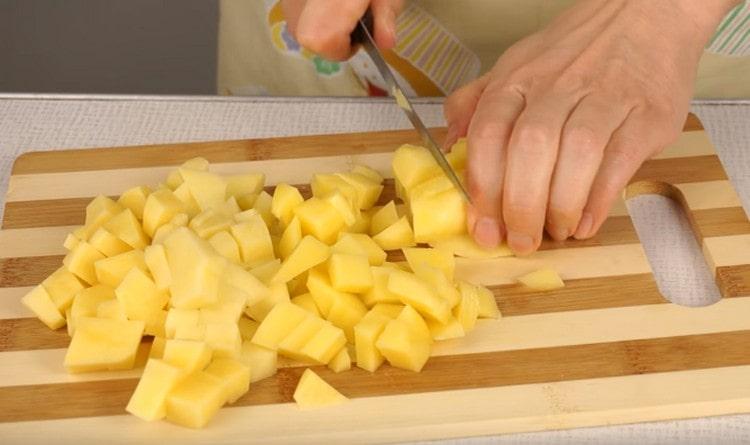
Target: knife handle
[{"x": 358, "y": 36}]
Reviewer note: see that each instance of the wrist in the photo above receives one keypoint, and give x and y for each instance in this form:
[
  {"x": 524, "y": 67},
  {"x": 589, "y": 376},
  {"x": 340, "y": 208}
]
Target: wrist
[{"x": 704, "y": 15}]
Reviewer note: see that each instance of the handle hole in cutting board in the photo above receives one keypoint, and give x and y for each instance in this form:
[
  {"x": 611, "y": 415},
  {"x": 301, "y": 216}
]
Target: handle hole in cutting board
[{"x": 680, "y": 269}]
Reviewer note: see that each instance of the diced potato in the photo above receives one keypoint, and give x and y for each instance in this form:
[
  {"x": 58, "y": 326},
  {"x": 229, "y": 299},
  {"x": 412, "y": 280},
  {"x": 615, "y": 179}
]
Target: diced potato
[
  {"x": 149, "y": 398},
  {"x": 438, "y": 216},
  {"x": 360, "y": 244},
  {"x": 238, "y": 277},
  {"x": 224, "y": 339},
  {"x": 188, "y": 355},
  {"x": 542, "y": 280},
  {"x": 291, "y": 346},
  {"x": 279, "y": 322},
  {"x": 99, "y": 211},
  {"x": 379, "y": 292},
  {"x": 346, "y": 208},
  {"x": 208, "y": 189},
  {"x": 366, "y": 333},
  {"x": 228, "y": 307},
  {"x": 40, "y": 303},
  {"x": 390, "y": 310},
  {"x": 415, "y": 292},
  {"x": 157, "y": 347},
  {"x": 467, "y": 309},
  {"x": 487, "y": 303},
  {"x": 350, "y": 273},
  {"x": 161, "y": 206},
  {"x": 247, "y": 201},
  {"x": 291, "y": 236},
  {"x": 404, "y": 344},
  {"x": 265, "y": 271},
  {"x": 262, "y": 205},
  {"x": 190, "y": 205},
  {"x": 341, "y": 362},
  {"x": 195, "y": 400},
  {"x": 434, "y": 277},
  {"x": 362, "y": 223},
  {"x": 413, "y": 165},
  {"x": 71, "y": 241},
  {"x": 285, "y": 199},
  {"x": 319, "y": 219},
  {"x": 155, "y": 258},
  {"x": 464, "y": 246},
  {"x": 262, "y": 361},
  {"x": 107, "y": 243},
  {"x": 139, "y": 296},
  {"x": 309, "y": 253},
  {"x": 103, "y": 344},
  {"x": 226, "y": 246},
  {"x": 279, "y": 293},
  {"x": 135, "y": 200},
  {"x": 196, "y": 270},
  {"x": 314, "y": 392},
  {"x": 325, "y": 344},
  {"x": 180, "y": 318},
  {"x": 86, "y": 303},
  {"x": 155, "y": 325},
  {"x": 446, "y": 331},
  {"x": 80, "y": 261},
  {"x": 396, "y": 236},
  {"x": 457, "y": 156},
  {"x": 111, "y": 309},
  {"x": 111, "y": 271},
  {"x": 323, "y": 184},
  {"x": 368, "y": 190},
  {"x": 197, "y": 163},
  {"x": 126, "y": 227},
  {"x": 383, "y": 218},
  {"x": 245, "y": 184},
  {"x": 210, "y": 222},
  {"x": 437, "y": 258},
  {"x": 415, "y": 321},
  {"x": 254, "y": 241},
  {"x": 368, "y": 173},
  {"x": 247, "y": 328},
  {"x": 234, "y": 375},
  {"x": 195, "y": 332},
  {"x": 62, "y": 286},
  {"x": 307, "y": 302},
  {"x": 346, "y": 311}
]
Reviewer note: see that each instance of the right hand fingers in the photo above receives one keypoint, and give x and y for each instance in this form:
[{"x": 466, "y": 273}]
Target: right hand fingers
[{"x": 324, "y": 26}]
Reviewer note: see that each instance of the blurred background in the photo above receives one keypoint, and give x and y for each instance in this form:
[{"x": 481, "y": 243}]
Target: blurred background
[{"x": 108, "y": 46}]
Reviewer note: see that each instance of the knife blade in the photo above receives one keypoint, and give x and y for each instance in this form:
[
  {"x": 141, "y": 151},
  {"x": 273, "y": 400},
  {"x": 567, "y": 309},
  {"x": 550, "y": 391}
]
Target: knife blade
[{"x": 363, "y": 36}]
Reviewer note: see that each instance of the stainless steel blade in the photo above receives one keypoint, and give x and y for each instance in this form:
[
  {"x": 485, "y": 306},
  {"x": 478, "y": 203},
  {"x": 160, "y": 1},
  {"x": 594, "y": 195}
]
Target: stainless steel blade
[{"x": 368, "y": 43}]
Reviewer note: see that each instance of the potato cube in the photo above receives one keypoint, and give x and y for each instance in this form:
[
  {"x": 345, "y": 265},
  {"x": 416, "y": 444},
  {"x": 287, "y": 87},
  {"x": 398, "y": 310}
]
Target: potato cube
[
  {"x": 234, "y": 375},
  {"x": 446, "y": 331},
  {"x": 439, "y": 216},
  {"x": 100, "y": 210},
  {"x": 307, "y": 302},
  {"x": 62, "y": 286},
  {"x": 309, "y": 253},
  {"x": 264, "y": 272},
  {"x": 291, "y": 236},
  {"x": 103, "y": 345},
  {"x": 111, "y": 309},
  {"x": 86, "y": 303},
  {"x": 348, "y": 245},
  {"x": 261, "y": 361},
  {"x": 346, "y": 208},
  {"x": 375, "y": 255},
  {"x": 135, "y": 200},
  {"x": 260, "y": 309},
  {"x": 390, "y": 310},
  {"x": 196, "y": 270},
  {"x": 440, "y": 259},
  {"x": 341, "y": 362},
  {"x": 367, "y": 172},
  {"x": 277, "y": 325},
  {"x": 325, "y": 344},
  {"x": 107, "y": 243},
  {"x": 457, "y": 156},
  {"x": 464, "y": 246},
  {"x": 291, "y": 346},
  {"x": 438, "y": 281},
  {"x": 346, "y": 311},
  {"x": 197, "y": 163},
  {"x": 226, "y": 246},
  {"x": 368, "y": 190},
  {"x": 366, "y": 333},
  {"x": 149, "y": 398},
  {"x": 247, "y": 201},
  {"x": 350, "y": 273},
  {"x": 180, "y": 318},
  {"x": 413, "y": 165},
  {"x": 187, "y": 355},
  {"x": 467, "y": 309},
  {"x": 542, "y": 280},
  {"x": 224, "y": 339},
  {"x": 40, "y": 303},
  {"x": 415, "y": 292},
  {"x": 139, "y": 296},
  {"x": 155, "y": 258},
  {"x": 285, "y": 199},
  {"x": 245, "y": 184},
  {"x": 208, "y": 189},
  {"x": 80, "y": 261},
  {"x": 195, "y": 332},
  {"x": 71, "y": 241},
  {"x": 320, "y": 219},
  {"x": 157, "y": 347},
  {"x": 254, "y": 241},
  {"x": 323, "y": 184},
  {"x": 383, "y": 218},
  {"x": 238, "y": 277},
  {"x": 126, "y": 227},
  {"x": 195, "y": 400},
  {"x": 379, "y": 292},
  {"x": 210, "y": 222},
  {"x": 228, "y": 308},
  {"x": 190, "y": 205},
  {"x": 161, "y": 206},
  {"x": 487, "y": 303},
  {"x": 111, "y": 271},
  {"x": 396, "y": 236},
  {"x": 247, "y": 328},
  {"x": 314, "y": 392},
  {"x": 415, "y": 321},
  {"x": 362, "y": 223},
  {"x": 321, "y": 290},
  {"x": 402, "y": 347},
  {"x": 155, "y": 325}
]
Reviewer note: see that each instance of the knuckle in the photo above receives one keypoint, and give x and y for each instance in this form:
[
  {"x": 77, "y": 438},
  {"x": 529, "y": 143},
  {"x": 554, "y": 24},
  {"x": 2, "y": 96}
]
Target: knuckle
[
  {"x": 584, "y": 141},
  {"x": 535, "y": 137}
]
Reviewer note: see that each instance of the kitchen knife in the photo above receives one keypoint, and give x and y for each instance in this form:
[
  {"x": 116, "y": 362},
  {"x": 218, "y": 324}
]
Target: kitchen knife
[{"x": 363, "y": 36}]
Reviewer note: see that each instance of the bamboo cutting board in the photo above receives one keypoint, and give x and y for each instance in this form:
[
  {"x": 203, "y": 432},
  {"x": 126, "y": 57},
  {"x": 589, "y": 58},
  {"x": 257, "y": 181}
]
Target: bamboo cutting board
[{"x": 606, "y": 349}]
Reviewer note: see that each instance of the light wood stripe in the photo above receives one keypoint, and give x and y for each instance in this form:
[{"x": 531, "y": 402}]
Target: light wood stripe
[
  {"x": 709, "y": 195},
  {"x": 10, "y": 302},
  {"x": 433, "y": 415},
  {"x": 727, "y": 250},
  {"x": 33, "y": 241},
  {"x": 488, "y": 370},
  {"x": 690, "y": 143},
  {"x": 558, "y": 329}
]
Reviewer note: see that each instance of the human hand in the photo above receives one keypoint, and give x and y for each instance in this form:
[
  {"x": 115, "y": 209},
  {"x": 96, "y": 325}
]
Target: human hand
[
  {"x": 324, "y": 26},
  {"x": 566, "y": 117}
]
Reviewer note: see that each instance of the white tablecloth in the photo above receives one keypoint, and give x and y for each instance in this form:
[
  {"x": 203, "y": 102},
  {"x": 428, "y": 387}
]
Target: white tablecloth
[{"x": 57, "y": 122}]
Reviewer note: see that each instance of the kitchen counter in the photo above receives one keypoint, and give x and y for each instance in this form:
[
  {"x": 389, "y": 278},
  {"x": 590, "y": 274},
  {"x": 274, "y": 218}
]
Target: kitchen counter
[{"x": 48, "y": 122}]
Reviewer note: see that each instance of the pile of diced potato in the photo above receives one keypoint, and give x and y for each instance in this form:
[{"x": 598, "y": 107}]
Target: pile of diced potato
[{"x": 224, "y": 277}]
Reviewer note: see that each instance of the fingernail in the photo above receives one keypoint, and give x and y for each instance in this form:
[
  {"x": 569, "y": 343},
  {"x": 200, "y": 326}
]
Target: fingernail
[
  {"x": 487, "y": 232},
  {"x": 584, "y": 226},
  {"x": 520, "y": 243},
  {"x": 557, "y": 233}
]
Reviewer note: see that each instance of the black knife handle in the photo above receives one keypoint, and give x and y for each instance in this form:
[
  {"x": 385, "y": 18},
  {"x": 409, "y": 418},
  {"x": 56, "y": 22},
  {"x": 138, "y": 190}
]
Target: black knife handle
[{"x": 358, "y": 36}]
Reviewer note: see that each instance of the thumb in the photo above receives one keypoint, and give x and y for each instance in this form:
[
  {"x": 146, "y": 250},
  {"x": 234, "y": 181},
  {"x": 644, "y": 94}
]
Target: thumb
[
  {"x": 384, "y": 14},
  {"x": 459, "y": 109}
]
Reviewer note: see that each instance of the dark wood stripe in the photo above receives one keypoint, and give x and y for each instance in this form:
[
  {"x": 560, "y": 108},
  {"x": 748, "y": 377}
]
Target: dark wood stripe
[
  {"x": 721, "y": 222},
  {"x": 485, "y": 370},
  {"x": 22, "y": 334},
  {"x": 27, "y": 271},
  {"x": 216, "y": 151},
  {"x": 733, "y": 281},
  {"x": 692, "y": 123},
  {"x": 681, "y": 170}
]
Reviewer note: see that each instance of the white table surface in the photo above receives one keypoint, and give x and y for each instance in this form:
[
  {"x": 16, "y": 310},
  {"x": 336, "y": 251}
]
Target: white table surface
[{"x": 45, "y": 122}]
